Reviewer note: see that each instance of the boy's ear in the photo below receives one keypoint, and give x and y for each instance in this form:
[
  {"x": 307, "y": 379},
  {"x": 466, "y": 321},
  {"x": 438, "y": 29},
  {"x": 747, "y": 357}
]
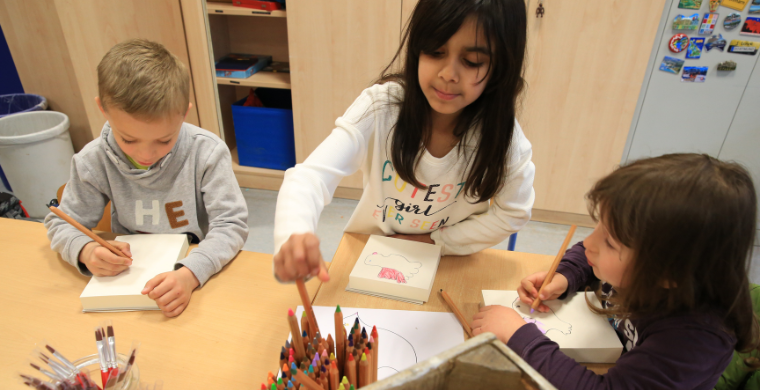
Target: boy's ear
[
  {"x": 100, "y": 105},
  {"x": 189, "y": 107}
]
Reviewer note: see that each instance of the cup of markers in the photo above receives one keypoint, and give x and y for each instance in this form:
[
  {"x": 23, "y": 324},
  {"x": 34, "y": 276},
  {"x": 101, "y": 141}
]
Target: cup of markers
[{"x": 117, "y": 371}]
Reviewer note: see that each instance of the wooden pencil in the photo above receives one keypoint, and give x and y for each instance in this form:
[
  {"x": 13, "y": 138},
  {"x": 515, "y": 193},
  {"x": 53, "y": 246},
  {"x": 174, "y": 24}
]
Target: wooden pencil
[
  {"x": 351, "y": 368},
  {"x": 368, "y": 352},
  {"x": 297, "y": 343},
  {"x": 553, "y": 269},
  {"x": 305, "y": 323},
  {"x": 363, "y": 371},
  {"x": 313, "y": 328},
  {"x": 86, "y": 231},
  {"x": 458, "y": 314},
  {"x": 334, "y": 376},
  {"x": 330, "y": 344},
  {"x": 306, "y": 381},
  {"x": 375, "y": 351}
]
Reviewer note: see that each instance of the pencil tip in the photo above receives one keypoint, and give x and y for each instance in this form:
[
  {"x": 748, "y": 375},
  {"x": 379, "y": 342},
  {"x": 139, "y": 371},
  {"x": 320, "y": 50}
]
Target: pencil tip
[
  {"x": 337, "y": 309},
  {"x": 290, "y": 313},
  {"x": 531, "y": 311}
]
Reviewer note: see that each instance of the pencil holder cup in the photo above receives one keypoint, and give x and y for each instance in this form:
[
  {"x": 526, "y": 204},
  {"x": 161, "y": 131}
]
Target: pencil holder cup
[{"x": 91, "y": 364}]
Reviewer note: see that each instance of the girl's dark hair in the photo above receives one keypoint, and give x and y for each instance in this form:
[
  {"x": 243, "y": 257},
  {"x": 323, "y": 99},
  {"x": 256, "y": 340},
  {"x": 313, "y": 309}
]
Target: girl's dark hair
[
  {"x": 504, "y": 23},
  {"x": 689, "y": 220}
]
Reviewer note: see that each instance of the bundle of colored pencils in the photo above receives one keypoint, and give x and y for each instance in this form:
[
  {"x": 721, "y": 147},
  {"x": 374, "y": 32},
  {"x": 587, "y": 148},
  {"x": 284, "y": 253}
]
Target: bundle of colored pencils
[{"x": 313, "y": 362}]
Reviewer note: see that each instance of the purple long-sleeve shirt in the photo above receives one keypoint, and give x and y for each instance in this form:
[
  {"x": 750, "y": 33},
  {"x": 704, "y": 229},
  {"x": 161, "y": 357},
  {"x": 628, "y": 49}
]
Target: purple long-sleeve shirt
[{"x": 687, "y": 351}]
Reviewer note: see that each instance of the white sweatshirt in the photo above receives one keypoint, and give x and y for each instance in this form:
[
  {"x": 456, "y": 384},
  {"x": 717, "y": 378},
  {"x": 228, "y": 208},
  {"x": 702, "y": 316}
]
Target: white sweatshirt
[{"x": 389, "y": 205}]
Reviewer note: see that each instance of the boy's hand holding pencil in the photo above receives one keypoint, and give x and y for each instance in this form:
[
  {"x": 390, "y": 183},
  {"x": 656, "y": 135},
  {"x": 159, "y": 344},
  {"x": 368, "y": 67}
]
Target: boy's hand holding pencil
[
  {"x": 299, "y": 257},
  {"x": 102, "y": 262}
]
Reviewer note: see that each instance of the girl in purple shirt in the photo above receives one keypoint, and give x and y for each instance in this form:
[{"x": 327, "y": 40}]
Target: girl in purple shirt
[{"x": 671, "y": 250}]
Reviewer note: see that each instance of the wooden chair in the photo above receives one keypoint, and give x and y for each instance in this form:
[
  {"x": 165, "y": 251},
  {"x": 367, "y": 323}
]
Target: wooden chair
[{"x": 105, "y": 223}]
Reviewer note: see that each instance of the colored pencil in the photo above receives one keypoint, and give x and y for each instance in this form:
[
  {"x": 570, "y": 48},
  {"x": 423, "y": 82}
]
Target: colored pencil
[
  {"x": 86, "y": 231},
  {"x": 313, "y": 327},
  {"x": 375, "y": 352},
  {"x": 305, "y": 323},
  {"x": 351, "y": 368},
  {"x": 458, "y": 314},
  {"x": 296, "y": 333},
  {"x": 363, "y": 371},
  {"x": 340, "y": 346},
  {"x": 304, "y": 379},
  {"x": 553, "y": 269}
]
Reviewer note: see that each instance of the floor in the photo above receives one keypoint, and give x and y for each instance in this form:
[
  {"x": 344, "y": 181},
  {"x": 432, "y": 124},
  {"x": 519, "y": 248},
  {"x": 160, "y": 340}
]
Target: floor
[{"x": 535, "y": 237}]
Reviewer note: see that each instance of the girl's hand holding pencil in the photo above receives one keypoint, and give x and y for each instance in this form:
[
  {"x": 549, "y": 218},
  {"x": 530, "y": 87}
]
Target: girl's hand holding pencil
[
  {"x": 299, "y": 257},
  {"x": 529, "y": 286},
  {"x": 102, "y": 262}
]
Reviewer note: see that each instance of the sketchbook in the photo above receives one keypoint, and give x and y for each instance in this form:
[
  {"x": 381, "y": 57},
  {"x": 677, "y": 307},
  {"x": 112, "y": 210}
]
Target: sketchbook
[
  {"x": 582, "y": 335},
  {"x": 152, "y": 254},
  {"x": 405, "y": 337},
  {"x": 395, "y": 269}
]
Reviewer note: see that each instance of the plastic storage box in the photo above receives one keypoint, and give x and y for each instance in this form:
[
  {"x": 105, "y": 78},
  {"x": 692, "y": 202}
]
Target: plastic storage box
[{"x": 265, "y": 134}]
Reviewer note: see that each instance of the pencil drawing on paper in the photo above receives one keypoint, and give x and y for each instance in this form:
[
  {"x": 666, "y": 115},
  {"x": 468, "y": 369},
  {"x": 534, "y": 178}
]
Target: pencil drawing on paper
[
  {"x": 546, "y": 322},
  {"x": 393, "y": 267},
  {"x": 404, "y": 353}
]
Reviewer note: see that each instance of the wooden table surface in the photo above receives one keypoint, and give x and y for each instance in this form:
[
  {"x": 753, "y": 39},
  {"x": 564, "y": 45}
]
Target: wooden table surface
[
  {"x": 462, "y": 277},
  {"x": 229, "y": 336}
]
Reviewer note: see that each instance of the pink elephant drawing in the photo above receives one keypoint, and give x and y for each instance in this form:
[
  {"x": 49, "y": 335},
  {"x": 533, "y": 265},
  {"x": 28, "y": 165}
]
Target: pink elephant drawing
[{"x": 393, "y": 267}]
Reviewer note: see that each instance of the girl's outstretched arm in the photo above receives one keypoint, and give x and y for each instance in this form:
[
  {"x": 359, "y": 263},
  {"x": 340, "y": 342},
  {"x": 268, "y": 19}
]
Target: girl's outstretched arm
[{"x": 310, "y": 186}]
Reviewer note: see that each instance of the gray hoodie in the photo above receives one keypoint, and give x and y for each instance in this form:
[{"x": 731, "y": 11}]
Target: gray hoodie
[{"x": 190, "y": 190}]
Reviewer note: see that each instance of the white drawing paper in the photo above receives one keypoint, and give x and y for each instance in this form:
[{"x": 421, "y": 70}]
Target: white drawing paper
[
  {"x": 581, "y": 334},
  {"x": 396, "y": 269},
  {"x": 152, "y": 254},
  {"x": 406, "y": 337}
]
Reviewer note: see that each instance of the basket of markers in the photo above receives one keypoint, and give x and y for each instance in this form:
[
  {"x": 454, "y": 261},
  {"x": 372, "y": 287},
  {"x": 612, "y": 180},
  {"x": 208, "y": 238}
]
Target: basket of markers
[{"x": 117, "y": 371}]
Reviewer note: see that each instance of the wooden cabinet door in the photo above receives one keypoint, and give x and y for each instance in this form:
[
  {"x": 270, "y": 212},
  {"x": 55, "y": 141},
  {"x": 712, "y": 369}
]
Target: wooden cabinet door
[
  {"x": 337, "y": 49},
  {"x": 586, "y": 62}
]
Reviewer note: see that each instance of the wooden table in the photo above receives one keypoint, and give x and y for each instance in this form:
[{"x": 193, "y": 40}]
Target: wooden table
[
  {"x": 463, "y": 278},
  {"x": 229, "y": 336}
]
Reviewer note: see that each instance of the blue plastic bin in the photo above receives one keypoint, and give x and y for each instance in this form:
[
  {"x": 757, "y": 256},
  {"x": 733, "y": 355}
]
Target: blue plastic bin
[
  {"x": 21, "y": 102},
  {"x": 264, "y": 136},
  {"x": 17, "y": 103}
]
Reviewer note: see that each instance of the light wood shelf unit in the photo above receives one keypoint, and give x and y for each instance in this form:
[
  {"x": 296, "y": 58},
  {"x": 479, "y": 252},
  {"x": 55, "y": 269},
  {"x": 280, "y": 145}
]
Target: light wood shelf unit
[
  {"x": 216, "y": 8},
  {"x": 259, "y": 79}
]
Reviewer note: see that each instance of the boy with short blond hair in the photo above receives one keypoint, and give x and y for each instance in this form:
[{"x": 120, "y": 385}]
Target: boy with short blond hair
[{"x": 161, "y": 175}]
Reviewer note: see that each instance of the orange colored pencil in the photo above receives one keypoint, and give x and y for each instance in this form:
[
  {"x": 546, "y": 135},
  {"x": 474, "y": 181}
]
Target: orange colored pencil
[
  {"x": 88, "y": 232},
  {"x": 553, "y": 269},
  {"x": 457, "y": 313},
  {"x": 334, "y": 376}
]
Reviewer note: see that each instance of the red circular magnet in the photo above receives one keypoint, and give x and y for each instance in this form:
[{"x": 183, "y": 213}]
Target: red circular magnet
[{"x": 678, "y": 43}]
